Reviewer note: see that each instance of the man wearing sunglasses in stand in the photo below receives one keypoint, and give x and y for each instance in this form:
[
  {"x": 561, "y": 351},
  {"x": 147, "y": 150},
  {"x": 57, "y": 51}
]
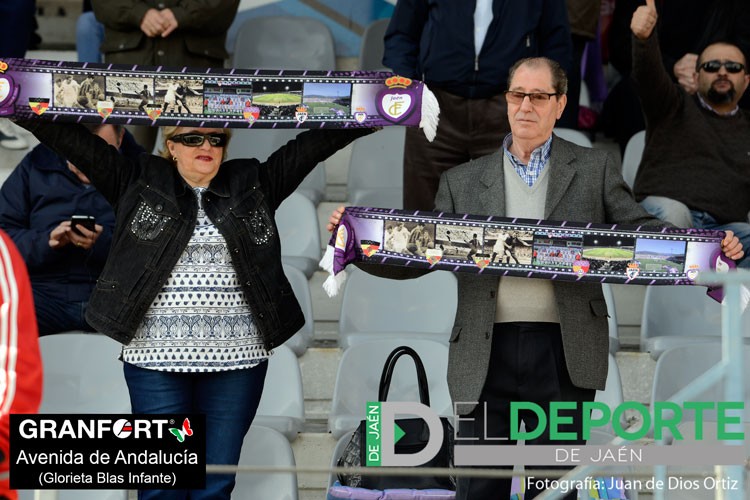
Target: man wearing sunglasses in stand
[{"x": 697, "y": 154}]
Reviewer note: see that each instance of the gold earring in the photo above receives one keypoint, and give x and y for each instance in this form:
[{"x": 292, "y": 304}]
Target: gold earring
[{"x": 174, "y": 159}]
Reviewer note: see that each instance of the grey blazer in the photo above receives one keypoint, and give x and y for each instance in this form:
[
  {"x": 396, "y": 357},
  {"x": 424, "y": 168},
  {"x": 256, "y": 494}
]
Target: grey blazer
[{"x": 584, "y": 185}]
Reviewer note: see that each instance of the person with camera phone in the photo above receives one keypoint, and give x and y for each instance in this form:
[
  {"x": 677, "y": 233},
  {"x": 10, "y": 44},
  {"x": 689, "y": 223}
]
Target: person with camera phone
[{"x": 63, "y": 228}]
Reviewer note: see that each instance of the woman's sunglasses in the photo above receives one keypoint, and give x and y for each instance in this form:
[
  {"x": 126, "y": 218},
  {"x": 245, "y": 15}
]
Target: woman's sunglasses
[
  {"x": 195, "y": 140},
  {"x": 715, "y": 65}
]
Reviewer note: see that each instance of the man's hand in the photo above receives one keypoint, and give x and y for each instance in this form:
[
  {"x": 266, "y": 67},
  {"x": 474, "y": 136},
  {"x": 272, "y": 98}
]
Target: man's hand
[
  {"x": 644, "y": 20},
  {"x": 153, "y": 23},
  {"x": 169, "y": 22},
  {"x": 64, "y": 235},
  {"x": 684, "y": 71},
  {"x": 335, "y": 218},
  {"x": 731, "y": 246}
]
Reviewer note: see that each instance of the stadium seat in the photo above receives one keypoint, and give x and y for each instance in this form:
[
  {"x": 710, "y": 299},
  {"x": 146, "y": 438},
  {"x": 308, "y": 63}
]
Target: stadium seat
[
  {"x": 297, "y": 221},
  {"x": 680, "y": 365},
  {"x": 371, "y": 50},
  {"x": 631, "y": 160},
  {"x": 284, "y": 42},
  {"x": 264, "y": 447},
  {"x": 378, "y": 308},
  {"x": 301, "y": 288},
  {"x": 358, "y": 378},
  {"x": 614, "y": 335},
  {"x": 282, "y": 405},
  {"x": 574, "y": 136},
  {"x": 261, "y": 143},
  {"x": 376, "y": 174},
  {"x": 82, "y": 374},
  {"x": 679, "y": 315},
  {"x": 688, "y": 431}
]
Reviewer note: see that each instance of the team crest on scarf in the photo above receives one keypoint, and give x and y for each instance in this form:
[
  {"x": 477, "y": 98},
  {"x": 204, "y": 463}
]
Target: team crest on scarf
[
  {"x": 581, "y": 267},
  {"x": 360, "y": 115},
  {"x": 37, "y": 104},
  {"x": 251, "y": 113},
  {"x": 692, "y": 272},
  {"x": 396, "y": 102},
  {"x": 433, "y": 255},
  {"x": 481, "y": 260},
  {"x": 634, "y": 269},
  {"x": 153, "y": 111},
  {"x": 301, "y": 113},
  {"x": 104, "y": 108},
  {"x": 369, "y": 247}
]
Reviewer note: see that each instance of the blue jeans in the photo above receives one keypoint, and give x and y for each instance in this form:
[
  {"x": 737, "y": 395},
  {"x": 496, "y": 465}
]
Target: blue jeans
[
  {"x": 680, "y": 215},
  {"x": 229, "y": 399},
  {"x": 56, "y": 316},
  {"x": 89, "y": 37}
]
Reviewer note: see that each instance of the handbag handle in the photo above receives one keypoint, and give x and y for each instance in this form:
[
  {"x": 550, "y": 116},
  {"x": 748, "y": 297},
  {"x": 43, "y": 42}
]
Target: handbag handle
[{"x": 390, "y": 363}]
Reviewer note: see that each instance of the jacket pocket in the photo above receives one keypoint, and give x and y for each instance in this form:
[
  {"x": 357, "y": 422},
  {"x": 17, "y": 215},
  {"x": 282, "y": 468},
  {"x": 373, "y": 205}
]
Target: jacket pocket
[
  {"x": 599, "y": 307},
  {"x": 149, "y": 221},
  {"x": 257, "y": 220}
]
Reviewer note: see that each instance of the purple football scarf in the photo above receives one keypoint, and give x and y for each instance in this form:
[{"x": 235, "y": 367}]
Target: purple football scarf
[
  {"x": 562, "y": 251},
  {"x": 213, "y": 97}
]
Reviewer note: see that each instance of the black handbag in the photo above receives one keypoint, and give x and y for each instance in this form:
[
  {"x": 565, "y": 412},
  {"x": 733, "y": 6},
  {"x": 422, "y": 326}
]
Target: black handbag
[{"x": 415, "y": 439}]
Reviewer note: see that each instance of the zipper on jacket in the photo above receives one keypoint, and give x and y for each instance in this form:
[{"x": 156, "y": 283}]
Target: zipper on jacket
[
  {"x": 528, "y": 41},
  {"x": 476, "y": 62}
]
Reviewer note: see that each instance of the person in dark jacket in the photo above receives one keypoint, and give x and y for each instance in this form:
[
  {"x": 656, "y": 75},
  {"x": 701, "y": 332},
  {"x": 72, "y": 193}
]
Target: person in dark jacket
[
  {"x": 193, "y": 285},
  {"x": 36, "y": 204},
  {"x": 441, "y": 43},
  {"x": 165, "y": 32}
]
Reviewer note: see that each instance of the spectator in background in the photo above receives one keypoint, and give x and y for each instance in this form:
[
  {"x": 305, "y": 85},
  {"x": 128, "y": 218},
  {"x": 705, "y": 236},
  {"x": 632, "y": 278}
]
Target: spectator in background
[
  {"x": 20, "y": 361},
  {"x": 695, "y": 170},
  {"x": 89, "y": 35},
  {"x": 684, "y": 28},
  {"x": 36, "y": 204},
  {"x": 164, "y": 33},
  {"x": 583, "y": 16},
  {"x": 463, "y": 51},
  {"x": 15, "y": 36}
]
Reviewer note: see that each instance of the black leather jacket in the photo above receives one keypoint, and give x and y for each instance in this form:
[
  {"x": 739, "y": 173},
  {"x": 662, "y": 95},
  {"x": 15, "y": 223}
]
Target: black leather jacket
[{"x": 156, "y": 213}]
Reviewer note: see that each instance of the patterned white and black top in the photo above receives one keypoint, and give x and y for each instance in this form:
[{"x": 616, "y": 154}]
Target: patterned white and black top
[{"x": 200, "y": 321}]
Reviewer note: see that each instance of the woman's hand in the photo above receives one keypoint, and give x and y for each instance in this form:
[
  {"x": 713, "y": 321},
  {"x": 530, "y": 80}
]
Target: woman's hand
[
  {"x": 335, "y": 218},
  {"x": 731, "y": 246}
]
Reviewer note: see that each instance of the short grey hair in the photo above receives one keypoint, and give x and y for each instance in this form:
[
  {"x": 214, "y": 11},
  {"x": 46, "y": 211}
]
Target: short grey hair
[{"x": 559, "y": 78}]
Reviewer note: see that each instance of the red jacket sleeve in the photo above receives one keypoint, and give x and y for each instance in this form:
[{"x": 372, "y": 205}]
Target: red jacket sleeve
[{"x": 20, "y": 361}]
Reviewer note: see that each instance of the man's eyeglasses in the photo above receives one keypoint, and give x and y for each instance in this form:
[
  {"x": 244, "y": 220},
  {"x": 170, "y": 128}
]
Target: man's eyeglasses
[
  {"x": 536, "y": 98},
  {"x": 195, "y": 140},
  {"x": 715, "y": 65}
]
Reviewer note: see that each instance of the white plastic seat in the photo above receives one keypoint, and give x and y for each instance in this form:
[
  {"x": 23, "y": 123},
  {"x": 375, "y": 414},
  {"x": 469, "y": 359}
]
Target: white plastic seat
[
  {"x": 372, "y": 48},
  {"x": 301, "y": 288},
  {"x": 378, "y": 308},
  {"x": 358, "y": 378},
  {"x": 297, "y": 221},
  {"x": 376, "y": 169},
  {"x": 680, "y": 365},
  {"x": 631, "y": 160},
  {"x": 282, "y": 405},
  {"x": 264, "y": 447},
  {"x": 261, "y": 143},
  {"x": 284, "y": 42},
  {"x": 82, "y": 374},
  {"x": 679, "y": 315},
  {"x": 574, "y": 136}
]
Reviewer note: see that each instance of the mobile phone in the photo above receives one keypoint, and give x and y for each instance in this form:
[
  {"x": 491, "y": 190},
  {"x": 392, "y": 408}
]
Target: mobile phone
[{"x": 87, "y": 221}]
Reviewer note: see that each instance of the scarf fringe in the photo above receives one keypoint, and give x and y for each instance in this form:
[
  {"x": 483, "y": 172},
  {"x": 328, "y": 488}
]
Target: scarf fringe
[
  {"x": 332, "y": 285},
  {"x": 430, "y": 114}
]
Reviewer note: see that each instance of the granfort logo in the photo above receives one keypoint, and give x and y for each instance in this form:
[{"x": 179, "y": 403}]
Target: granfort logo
[{"x": 95, "y": 428}]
